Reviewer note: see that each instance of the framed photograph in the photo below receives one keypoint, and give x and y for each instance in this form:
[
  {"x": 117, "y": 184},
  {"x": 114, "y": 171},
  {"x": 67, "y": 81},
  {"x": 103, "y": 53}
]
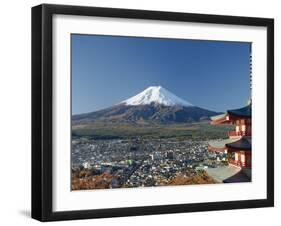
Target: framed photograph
[{"x": 145, "y": 112}]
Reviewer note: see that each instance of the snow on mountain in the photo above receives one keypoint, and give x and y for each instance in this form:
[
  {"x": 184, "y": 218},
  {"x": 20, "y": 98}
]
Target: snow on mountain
[
  {"x": 153, "y": 105},
  {"x": 158, "y": 95}
]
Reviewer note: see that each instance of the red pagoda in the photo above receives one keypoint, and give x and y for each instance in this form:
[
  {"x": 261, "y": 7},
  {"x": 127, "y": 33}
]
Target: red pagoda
[{"x": 238, "y": 147}]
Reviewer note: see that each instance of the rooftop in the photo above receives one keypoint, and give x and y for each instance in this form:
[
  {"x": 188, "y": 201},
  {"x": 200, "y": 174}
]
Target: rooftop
[
  {"x": 230, "y": 115},
  {"x": 244, "y": 143},
  {"x": 242, "y": 112},
  {"x": 240, "y": 143}
]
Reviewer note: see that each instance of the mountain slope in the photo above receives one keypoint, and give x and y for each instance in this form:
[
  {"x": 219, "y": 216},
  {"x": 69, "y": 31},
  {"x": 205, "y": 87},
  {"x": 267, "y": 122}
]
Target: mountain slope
[
  {"x": 151, "y": 112},
  {"x": 153, "y": 105}
]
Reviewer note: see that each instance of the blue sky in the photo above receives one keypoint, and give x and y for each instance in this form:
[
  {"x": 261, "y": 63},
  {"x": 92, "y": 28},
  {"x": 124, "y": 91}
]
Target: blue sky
[{"x": 108, "y": 69}]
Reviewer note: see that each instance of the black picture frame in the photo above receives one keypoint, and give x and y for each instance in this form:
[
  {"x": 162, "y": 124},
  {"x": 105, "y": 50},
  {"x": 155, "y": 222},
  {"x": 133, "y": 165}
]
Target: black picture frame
[{"x": 42, "y": 111}]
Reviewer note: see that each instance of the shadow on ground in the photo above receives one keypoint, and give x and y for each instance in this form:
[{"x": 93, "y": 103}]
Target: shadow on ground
[{"x": 25, "y": 213}]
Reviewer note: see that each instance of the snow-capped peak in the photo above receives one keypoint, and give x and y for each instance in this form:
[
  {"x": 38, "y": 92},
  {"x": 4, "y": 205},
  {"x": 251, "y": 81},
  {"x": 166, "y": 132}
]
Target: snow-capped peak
[{"x": 158, "y": 95}]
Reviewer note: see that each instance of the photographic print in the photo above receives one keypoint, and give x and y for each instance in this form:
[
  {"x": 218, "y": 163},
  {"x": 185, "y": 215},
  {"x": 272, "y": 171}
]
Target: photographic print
[
  {"x": 138, "y": 112},
  {"x": 152, "y": 112}
]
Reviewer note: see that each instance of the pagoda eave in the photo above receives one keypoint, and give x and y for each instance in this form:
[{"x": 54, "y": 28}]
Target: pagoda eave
[
  {"x": 244, "y": 143},
  {"x": 231, "y": 145}
]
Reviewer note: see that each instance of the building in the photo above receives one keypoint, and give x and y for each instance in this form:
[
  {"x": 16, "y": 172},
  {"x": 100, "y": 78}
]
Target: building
[
  {"x": 238, "y": 146},
  {"x": 170, "y": 155}
]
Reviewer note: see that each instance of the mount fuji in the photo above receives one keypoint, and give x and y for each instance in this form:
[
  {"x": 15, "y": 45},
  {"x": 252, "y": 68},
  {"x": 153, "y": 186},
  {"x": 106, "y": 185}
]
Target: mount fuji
[
  {"x": 153, "y": 105},
  {"x": 156, "y": 95}
]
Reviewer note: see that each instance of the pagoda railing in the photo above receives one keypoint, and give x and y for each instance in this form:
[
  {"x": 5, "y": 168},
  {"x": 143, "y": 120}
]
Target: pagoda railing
[
  {"x": 239, "y": 133},
  {"x": 236, "y": 162}
]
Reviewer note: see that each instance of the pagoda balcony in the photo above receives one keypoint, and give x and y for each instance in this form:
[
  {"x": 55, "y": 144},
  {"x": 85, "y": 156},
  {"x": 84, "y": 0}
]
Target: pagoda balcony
[
  {"x": 232, "y": 134},
  {"x": 238, "y": 163}
]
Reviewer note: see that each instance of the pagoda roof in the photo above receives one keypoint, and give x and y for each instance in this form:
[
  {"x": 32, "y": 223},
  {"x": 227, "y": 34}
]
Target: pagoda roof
[
  {"x": 218, "y": 117},
  {"x": 242, "y": 112},
  {"x": 221, "y": 144},
  {"x": 239, "y": 143},
  {"x": 244, "y": 143},
  {"x": 230, "y": 115}
]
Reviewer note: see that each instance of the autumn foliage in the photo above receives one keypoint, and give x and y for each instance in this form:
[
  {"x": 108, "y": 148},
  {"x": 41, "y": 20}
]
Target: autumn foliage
[
  {"x": 191, "y": 178},
  {"x": 87, "y": 179},
  {"x": 84, "y": 179}
]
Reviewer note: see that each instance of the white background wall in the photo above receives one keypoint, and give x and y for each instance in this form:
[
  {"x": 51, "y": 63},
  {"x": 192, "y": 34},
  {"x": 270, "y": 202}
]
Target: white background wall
[{"x": 15, "y": 102}]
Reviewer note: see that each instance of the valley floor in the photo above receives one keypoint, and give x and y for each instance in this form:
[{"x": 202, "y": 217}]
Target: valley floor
[{"x": 124, "y": 163}]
